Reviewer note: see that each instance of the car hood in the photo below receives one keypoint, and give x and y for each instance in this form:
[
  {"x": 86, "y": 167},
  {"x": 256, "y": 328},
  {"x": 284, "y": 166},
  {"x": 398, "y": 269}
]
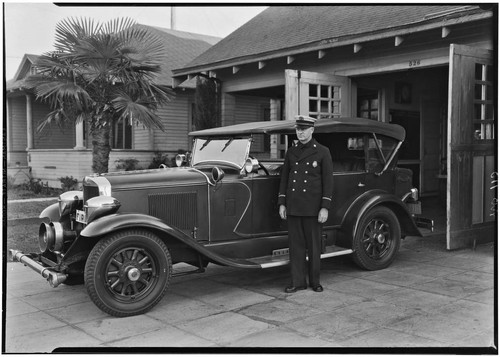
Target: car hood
[{"x": 150, "y": 178}]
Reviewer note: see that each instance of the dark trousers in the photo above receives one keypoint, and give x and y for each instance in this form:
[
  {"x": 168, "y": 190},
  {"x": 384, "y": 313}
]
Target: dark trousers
[{"x": 304, "y": 233}]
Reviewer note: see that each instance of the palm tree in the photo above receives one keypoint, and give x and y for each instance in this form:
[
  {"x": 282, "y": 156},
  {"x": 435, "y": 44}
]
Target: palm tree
[{"x": 101, "y": 73}]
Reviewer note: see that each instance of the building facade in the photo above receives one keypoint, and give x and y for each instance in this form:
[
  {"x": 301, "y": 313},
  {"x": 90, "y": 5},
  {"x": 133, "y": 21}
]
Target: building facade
[
  {"x": 430, "y": 68},
  {"x": 58, "y": 152}
]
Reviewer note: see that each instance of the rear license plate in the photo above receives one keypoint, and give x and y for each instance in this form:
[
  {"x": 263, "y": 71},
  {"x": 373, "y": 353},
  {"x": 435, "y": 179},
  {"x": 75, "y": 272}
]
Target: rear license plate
[{"x": 80, "y": 216}]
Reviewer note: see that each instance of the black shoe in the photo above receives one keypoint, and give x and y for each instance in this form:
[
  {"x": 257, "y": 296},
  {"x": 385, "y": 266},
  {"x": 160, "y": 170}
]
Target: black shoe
[
  {"x": 318, "y": 288},
  {"x": 293, "y": 289}
]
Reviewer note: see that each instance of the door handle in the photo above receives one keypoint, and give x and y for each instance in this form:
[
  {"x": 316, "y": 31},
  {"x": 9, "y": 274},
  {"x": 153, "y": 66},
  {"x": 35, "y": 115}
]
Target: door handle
[{"x": 361, "y": 184}]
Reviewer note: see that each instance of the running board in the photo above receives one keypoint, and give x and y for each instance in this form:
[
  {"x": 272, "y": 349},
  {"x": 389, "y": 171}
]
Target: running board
[{"x": 281, "y": 257}]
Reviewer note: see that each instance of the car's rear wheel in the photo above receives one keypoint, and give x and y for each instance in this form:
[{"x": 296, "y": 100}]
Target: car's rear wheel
[
  {"x": 377, "y": 239},
  {"x": 128, "y": 272}
]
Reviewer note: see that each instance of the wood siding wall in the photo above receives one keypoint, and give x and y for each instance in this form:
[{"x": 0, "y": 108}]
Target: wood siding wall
[
  {"x": 50, "y": 165},
  {"x": 17, "y": 124},
  {"x": 250, "y": 109},
  {"x": 176, "y": 116}
]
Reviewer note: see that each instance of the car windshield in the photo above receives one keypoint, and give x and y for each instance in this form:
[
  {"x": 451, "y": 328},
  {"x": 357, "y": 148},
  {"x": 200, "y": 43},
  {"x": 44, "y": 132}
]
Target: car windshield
[{"x": 232, "y": 152}]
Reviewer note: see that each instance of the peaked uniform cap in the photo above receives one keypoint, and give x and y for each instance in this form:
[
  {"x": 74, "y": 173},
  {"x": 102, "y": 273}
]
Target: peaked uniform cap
[{"x": 304, "y": 121}]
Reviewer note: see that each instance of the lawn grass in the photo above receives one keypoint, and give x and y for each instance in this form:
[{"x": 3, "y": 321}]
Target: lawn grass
[
  {"x": 28, "y": 209},
  {"x": 20, "y": 193},
  {"x": 23, "y": 236},
  {"x": 22, "y": 219}
]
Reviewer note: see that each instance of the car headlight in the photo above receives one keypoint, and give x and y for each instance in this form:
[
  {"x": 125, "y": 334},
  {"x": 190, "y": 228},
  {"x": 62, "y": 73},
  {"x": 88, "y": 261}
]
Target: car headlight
[
  {"x": 251, "y": 165},
  {"x": 69, "y": 202},
  {"x": 180, "y": 159},
  {"x": 99, "y": 206}
]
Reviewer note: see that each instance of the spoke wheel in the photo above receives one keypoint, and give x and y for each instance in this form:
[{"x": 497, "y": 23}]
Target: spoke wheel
[
  {"x": 377, "y": 239},
  {"x": 127, "y": 273}
]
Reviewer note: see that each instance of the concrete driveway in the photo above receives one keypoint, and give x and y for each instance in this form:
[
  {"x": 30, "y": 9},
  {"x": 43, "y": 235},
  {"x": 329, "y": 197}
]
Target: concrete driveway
[{"x": 429, "y": 297}]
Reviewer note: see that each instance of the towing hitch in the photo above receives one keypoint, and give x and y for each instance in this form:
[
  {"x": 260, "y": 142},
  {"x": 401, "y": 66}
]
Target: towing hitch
[{"x": 52, "y": 277}]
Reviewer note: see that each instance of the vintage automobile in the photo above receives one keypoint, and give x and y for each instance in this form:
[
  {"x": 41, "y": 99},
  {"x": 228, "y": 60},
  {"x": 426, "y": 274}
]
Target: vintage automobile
[{"x": 125, "y": 231}]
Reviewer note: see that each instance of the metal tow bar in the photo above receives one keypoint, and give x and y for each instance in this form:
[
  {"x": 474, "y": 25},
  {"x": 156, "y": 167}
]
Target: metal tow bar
[{"x": 52, "y": 277}]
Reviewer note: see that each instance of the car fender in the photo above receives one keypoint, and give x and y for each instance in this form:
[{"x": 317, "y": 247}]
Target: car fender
[
  {"x": 370, "y": 199},
  {"x": 51, "y": 212},
  {"x": 119, "y": 221}
]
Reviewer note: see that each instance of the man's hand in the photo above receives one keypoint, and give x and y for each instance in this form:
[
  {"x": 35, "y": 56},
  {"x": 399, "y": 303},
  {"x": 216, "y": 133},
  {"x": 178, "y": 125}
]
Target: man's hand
[
  {"x": 322, "y": 215},
  {"x": 282, "y": 212}
]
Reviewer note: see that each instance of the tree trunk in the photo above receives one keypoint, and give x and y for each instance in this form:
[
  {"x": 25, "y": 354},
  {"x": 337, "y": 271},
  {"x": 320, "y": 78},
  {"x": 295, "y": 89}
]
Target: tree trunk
[{"x": 100, "y": 149}]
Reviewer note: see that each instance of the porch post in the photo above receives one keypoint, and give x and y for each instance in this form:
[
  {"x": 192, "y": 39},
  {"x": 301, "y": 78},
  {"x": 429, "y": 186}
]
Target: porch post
[
  {"x": 79, "y": 136},
  {"x": 275, "y": 105},
  {"x": 29, "y": 121}
]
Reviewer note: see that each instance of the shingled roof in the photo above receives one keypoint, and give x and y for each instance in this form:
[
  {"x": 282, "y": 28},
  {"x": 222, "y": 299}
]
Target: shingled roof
[
  {"x": 287, "y": 30},
  {"x": 180, "y": 46}
]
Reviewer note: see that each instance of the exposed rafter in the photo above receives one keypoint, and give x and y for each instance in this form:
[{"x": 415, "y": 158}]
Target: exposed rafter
[
  {"x": 357, "y": 47},
  {"x": 398, "y": 40},
  {"x": 290, "y": 59},
  {"x": 321, "y": 54},
  {"x": 236, "y": 69},
  {"x": 262, "y": 64},
  {"x": 177, "y": 81},
  {"x": 445, "y": 31}
]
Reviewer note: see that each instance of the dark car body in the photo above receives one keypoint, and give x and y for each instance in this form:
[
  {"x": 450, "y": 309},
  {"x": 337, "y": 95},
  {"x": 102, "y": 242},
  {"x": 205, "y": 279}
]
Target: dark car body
[{"x": 125, "y": 231}]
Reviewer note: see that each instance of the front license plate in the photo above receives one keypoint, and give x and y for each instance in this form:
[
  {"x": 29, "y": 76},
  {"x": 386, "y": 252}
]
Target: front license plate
[{"x": 80, "y": 216}]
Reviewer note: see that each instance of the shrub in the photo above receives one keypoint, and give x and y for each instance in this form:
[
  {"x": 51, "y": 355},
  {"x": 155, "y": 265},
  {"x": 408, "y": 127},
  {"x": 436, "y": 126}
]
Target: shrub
[
  {"x": 127, "y": 164},
  {"x": 10, "y": 182},
  {"x": 37, "y": 186},
  {"x": 68, "y": 183},
  {"x": 160, "y": 159}
]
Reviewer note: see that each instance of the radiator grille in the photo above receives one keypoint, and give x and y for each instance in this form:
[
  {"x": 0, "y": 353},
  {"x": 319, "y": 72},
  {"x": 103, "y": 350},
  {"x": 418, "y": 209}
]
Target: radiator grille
[
  {"x": 89, "y": 192},
  {"x": 177, "y": 209}
]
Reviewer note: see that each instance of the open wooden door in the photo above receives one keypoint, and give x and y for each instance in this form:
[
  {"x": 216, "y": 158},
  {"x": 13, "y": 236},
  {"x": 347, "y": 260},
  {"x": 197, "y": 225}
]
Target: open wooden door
[
  {"x": 471, "y": 166},
  {"x": 318, "y": 95}
]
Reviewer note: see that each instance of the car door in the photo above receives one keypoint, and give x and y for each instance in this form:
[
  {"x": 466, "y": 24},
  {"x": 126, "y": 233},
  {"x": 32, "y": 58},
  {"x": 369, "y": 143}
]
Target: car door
[{"x": 349, "y": 171}]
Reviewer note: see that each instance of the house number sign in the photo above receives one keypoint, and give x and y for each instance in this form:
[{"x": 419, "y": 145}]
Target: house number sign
[{"x": 414, "y": 63}]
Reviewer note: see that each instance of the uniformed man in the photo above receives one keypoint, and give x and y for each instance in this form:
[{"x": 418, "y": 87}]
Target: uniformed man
[{"x": 305, "y": 196}]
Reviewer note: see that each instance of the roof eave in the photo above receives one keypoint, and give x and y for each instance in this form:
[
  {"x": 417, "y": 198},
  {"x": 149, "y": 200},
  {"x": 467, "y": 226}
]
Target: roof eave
[{"x": 178, "y": 74}]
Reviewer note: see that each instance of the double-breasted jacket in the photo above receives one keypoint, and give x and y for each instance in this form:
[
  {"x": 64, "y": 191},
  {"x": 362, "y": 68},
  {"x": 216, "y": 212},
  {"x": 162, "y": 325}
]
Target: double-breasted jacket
[{"x": 306, "y": 183}]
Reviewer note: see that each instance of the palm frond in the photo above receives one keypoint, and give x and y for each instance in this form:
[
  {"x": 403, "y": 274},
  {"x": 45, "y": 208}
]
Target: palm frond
[
  {"x": 70, "y": 31},
  {"x": 139, "y": 111},
  {"x": 58, "y": 116},
  {"x": 143, "y": 47},
  {"x": 61, "y": 91},
  {"x": 99, "y": 71},
  {"x": 118, "y": 25}
]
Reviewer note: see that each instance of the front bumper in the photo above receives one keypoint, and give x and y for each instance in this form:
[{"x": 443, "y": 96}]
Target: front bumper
[{"x": 54, "y": 278}]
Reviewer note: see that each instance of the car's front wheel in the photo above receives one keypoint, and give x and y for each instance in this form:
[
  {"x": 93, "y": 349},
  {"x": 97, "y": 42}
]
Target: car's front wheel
[
  {"x": 377, "y": 239},
  {"x": 128, "y": 272}
]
